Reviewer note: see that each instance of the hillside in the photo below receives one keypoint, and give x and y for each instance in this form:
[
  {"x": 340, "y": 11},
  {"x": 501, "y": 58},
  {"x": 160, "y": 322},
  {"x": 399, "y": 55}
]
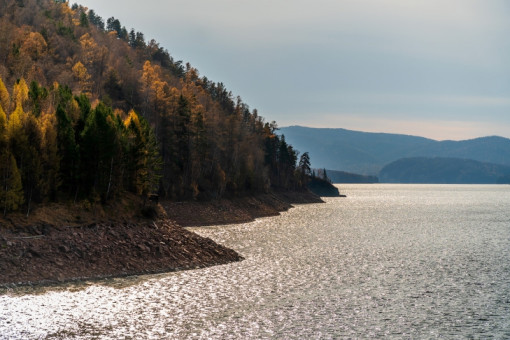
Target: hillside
[
  {"x": 96, "y": 125},
  {"x": 491, "y": 149},
  {"x": 367, "y": 153},
  {"x": 443, "y": 170},
  {"x": 351, "y": 151},
  {"x": 90, "y": 110}
]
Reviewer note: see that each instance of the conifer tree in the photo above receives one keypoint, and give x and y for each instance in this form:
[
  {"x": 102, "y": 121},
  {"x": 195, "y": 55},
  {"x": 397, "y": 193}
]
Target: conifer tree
[
  {"x": 18, "y": 140},
  {"x": 4, "y": 142},
  {"x": 31, "y": 173},
  {"x": 100, "y": 150},
  {"x": 84, "y": 20},
  {"x": 3, "y": 127},
  {"x": 11, "y": 191},
  {"x": 67, "y": 150},
  {"x": 36, "y": 95},
  {"x": 50, "y": 160},
  {"x": 182, "y": 144},
  {"x": 11, "y": 194},
  {"x": 82, "y": 75},
  {"x": 3, "y": 155},
  {"x": 144, "y": 161},
  {"x": 20, "y": 93},
  {"x": 4, "y": 97},
  {"x": 199, "y": 149},
  {"x": 304, "y": 168}
]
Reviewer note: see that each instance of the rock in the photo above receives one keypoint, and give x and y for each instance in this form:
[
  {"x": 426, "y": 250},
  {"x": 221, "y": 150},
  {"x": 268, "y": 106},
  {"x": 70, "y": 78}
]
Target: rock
[{"x": 34, "y": 252}]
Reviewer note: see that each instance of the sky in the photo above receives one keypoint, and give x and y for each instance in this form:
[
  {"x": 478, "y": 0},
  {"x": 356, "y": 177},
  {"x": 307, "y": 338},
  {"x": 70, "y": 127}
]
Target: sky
[{"x": 433, "y": 68}]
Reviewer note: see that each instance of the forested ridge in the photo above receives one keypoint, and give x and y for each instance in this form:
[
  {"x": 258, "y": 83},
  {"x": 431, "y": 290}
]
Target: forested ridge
[
  {"x": 444, "y": 171},
  {"x": 368, "y": 152},
  {"x": 90, "y": 110}
]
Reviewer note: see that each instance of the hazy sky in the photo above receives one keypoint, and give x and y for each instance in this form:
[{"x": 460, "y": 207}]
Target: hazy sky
[{"x": 435, "y": 68}]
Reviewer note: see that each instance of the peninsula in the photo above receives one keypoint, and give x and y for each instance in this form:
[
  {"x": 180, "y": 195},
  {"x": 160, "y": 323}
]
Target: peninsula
[{"x": 108, "y": 145}]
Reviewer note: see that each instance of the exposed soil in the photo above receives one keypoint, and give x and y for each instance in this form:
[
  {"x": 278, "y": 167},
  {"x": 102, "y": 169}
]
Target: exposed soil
[
  {"x": 58, "y": 243},
  {"x": 238, "y": 210},
  {"x": 104, "y": 250}
]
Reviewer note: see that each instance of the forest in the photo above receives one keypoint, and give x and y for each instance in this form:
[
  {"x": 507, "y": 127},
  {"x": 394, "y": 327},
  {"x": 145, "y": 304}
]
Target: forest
[{"x": 90, "y": 110}]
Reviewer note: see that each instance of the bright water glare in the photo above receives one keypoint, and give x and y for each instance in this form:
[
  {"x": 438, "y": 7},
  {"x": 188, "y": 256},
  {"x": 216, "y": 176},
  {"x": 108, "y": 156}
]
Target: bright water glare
[{"x": 388, "y": 261}]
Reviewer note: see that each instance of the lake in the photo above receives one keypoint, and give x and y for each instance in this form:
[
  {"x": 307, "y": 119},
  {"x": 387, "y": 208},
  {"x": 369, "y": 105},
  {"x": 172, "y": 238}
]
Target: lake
[{"x": 392, "y": 261}]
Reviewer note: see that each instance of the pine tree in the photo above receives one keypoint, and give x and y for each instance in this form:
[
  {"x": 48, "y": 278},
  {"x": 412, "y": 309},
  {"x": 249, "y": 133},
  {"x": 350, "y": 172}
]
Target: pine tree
[
  {"x": 182, "y": 144},
  {"x": 100, "y": 150},
  {"x": 11, "y": 194},
  {"x": 199, "y": 149},
  {"x": 84, "y": 20},
  {"x": 31, "y": 173},
  {"x": 304, "y": 168},
  {"x": 36, "y": 95},
  {"x": 145, "y": 162},
  {"x": 304, "y": 164},
  {"x": 67, "y": 151}
]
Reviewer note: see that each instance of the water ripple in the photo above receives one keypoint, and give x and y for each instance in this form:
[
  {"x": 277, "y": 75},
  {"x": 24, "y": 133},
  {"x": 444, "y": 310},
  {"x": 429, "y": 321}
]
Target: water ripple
[{"x": 390, "y": 261}]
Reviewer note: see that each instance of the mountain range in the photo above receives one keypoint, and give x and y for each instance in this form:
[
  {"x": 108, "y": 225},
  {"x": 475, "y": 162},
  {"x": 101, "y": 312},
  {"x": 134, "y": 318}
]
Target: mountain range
[
  {"x": 443, "y": 171},
  {"x": 368, "y": 153}
]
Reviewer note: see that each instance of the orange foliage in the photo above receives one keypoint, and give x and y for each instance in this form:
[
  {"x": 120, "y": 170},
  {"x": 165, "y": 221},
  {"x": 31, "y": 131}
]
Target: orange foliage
[
  {"x": 81, "y": 74},
  {"x": 34, "y": 45}
]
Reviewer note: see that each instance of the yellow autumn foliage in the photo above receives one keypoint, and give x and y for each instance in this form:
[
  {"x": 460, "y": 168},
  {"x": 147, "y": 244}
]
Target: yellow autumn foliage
[
  {"x": 4, "y": 96},
  {"x": 81, "y": 74},
  {"x": 20, "y": 92}
]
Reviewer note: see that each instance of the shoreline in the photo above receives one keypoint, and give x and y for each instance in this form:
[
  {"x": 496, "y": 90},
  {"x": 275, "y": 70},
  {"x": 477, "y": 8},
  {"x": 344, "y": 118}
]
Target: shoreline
[
  {"x": 237, "y": 210},
  {"x": 44, "y": 254}
]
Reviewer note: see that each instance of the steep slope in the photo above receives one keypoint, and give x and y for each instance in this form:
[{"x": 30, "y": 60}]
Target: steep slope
[
  {"x": 91, "y": 114},
  {"x": 106, "y": 111}
]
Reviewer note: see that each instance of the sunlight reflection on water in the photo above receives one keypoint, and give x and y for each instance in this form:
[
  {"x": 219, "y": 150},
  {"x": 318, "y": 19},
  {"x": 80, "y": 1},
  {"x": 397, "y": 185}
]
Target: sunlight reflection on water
[{"x": 411, "y": 261}]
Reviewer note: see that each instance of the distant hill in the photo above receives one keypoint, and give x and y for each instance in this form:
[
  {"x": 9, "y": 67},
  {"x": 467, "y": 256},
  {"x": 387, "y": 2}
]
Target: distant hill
[
  {"x": 348, "y": 177},
  {"x": 443, "y": 170},
  {"x": 367, "y": 153}
]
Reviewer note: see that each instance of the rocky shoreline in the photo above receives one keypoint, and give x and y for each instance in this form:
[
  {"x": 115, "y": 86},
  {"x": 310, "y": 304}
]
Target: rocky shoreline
[
  {"x": 44, "y": 253},
  {"x": 238, "y": 210},
  {"x": 69, "y": 253}
]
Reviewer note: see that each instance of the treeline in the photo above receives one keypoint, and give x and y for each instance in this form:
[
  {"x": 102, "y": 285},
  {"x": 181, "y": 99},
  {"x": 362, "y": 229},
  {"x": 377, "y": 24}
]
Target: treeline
[
  {"x": 129, "y": 117},
  {"x": 70, "y": 150}
]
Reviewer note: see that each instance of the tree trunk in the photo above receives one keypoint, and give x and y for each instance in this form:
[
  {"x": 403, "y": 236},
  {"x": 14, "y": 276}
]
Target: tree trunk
[
  {"x": 29, "y": 200},
  {"x": 110, "y": 180}
]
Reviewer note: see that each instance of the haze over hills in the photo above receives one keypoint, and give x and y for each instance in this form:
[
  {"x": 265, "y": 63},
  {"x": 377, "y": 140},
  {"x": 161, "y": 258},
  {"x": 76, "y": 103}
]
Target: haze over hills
[
  {"x": 367, "y": 153},
  {"x": 443, "y": 170}
]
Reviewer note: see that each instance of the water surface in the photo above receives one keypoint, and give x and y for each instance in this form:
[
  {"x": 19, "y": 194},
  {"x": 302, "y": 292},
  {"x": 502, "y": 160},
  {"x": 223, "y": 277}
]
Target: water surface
[{"x": 394, "y": 261}]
